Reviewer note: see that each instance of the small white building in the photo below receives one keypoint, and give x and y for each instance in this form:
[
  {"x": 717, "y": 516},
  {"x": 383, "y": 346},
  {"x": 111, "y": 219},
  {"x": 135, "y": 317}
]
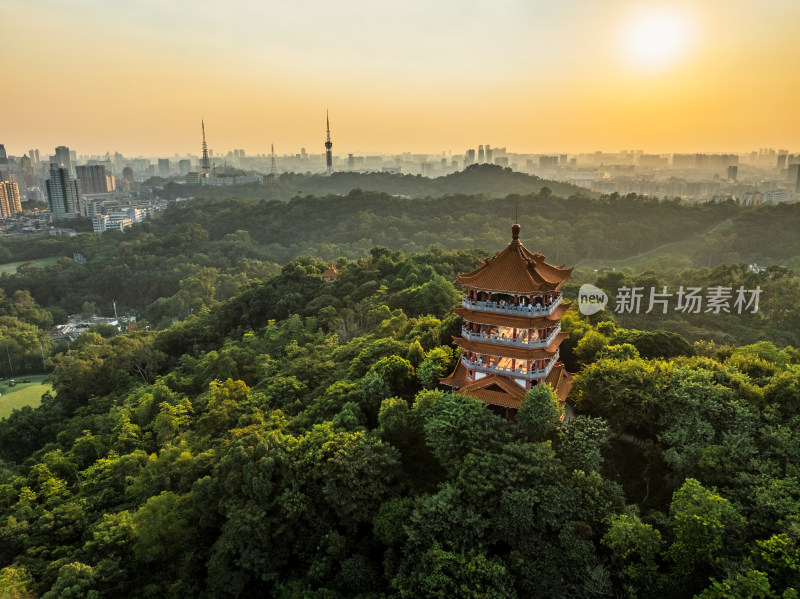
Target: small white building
[{"x": 116, "y": 221}]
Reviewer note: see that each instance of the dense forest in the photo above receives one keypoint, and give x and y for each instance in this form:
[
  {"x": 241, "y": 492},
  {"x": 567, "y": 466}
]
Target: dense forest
[
  {"x": 199, "y": 253},
  {"x": 260, "y": 432},
  {"x": 292, "y": 441}
]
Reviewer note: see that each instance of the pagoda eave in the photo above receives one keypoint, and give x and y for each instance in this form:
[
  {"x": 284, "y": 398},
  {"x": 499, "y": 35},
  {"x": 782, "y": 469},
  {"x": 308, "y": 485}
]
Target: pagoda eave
[
  {"x": 512, "y": 320},
  {"x": 515, "y": 271},
  {"x": 520, "y": 291},
  {"x": 488, "y": 348},
  {"x": 502, "y": 391}
]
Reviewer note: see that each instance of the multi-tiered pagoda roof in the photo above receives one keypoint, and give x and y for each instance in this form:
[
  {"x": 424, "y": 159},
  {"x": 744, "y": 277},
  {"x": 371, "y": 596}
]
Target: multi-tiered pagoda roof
[
  {"x": 515, "y": 270},
  {"x": 511, "y": 334}
]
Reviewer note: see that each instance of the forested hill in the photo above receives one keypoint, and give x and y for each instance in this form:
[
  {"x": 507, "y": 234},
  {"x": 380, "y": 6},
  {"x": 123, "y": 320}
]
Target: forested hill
[
  {"x": 479, "y": 179},
  {"x": 565, "y": 230},
  {"x": 199, "y": 252},
  {"x": 292, "y": 442}
]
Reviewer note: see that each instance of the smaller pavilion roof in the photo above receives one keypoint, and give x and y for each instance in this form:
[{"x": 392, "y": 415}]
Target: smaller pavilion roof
[
  {"x": 330, "y": 274},
  {"x": 503, "y": 391}
]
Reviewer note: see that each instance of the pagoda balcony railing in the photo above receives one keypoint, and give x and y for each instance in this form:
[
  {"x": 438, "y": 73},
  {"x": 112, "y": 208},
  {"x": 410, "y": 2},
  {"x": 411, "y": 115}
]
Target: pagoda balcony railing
[
  {"x": 506, "y": 340},
  {"x": 518, "y": 372},
  {"x": 508, "y": 308}
]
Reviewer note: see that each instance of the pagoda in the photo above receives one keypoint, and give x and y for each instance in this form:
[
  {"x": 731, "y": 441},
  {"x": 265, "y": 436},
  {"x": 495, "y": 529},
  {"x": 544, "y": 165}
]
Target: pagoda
[
  {"x": 511, "y": 329},
  {"x": 330, "y": 274}
]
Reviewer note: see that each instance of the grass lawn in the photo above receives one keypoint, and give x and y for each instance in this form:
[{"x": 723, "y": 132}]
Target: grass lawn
[
  {"x": 22, "y": 394},
  {"x": 11, "y": 267}
]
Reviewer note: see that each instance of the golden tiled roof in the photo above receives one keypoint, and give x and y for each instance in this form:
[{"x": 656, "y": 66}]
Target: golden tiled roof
[
  {"x": 501, "y": 384},
  {"x": 560, "y": 380},
  {"x": 503, "y": 391},
  {"x": 331, "y": 273},
  {"x": 456, "y": 379},
  {"x": 516, "y": 271},
  {"x": 495, "y": 398}
]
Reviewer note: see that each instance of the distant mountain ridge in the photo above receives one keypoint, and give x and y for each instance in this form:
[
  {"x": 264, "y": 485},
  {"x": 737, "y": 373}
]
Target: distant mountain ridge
[{"x": 491, "y": 180}]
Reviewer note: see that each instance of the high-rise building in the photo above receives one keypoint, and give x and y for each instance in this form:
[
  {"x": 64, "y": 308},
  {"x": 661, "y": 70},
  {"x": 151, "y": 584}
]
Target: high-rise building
[
  {"x": 794, "y": 177},
  {"x": 511, "y": 328},
  {"x": 733, "y": 172},
  {"x": 184, "y": 166},
  {"x": 4, "y": 173},
  {"x": 328, "y": 145},
  {"x": 481, "y": 158},
  {"x": 9, "y": 199},
  {"x": 62, "y": 192},
  {"x": 127, "y": 179},
  {"x": 488, "y": 150},
  {"x": 94, "y": 179},
  {"x": 470, "y": 157},
  {"x": 163, "y": 167},
  {"x": 782, "y": 156},
  {"x": 548, "y": 162},
  {"x": 63, "y": 157},
  {"x": 27, "y": 171}
]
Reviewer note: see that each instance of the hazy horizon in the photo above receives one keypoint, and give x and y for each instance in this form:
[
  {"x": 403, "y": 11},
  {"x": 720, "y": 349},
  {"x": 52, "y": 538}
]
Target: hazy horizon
[{"x": 534, "y": 77}]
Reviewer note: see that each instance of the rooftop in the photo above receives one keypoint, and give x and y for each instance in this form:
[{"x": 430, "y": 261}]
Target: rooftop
[
  {"x": 516, "y": 271},
  {"x": 503, "y": 391}
]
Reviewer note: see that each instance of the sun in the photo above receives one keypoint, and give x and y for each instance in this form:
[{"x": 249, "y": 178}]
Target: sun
[{"x": 657, "y": 38}]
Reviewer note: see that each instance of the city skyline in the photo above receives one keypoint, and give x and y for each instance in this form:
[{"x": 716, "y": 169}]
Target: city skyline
[{"x": 535, "y": 77}]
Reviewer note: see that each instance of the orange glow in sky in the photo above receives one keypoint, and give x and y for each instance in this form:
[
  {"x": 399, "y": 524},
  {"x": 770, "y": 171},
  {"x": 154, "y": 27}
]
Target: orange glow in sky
[{"x": 530, "y": 75}]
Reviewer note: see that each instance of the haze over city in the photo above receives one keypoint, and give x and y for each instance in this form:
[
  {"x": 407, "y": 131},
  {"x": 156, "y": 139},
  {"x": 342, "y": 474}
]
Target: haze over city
[
  {"x": 571, "y": 76},
  {"x": 371, "y": 300}
]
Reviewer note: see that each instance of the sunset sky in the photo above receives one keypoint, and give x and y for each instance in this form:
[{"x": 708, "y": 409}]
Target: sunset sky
[{"x": 420, "y": 76}]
